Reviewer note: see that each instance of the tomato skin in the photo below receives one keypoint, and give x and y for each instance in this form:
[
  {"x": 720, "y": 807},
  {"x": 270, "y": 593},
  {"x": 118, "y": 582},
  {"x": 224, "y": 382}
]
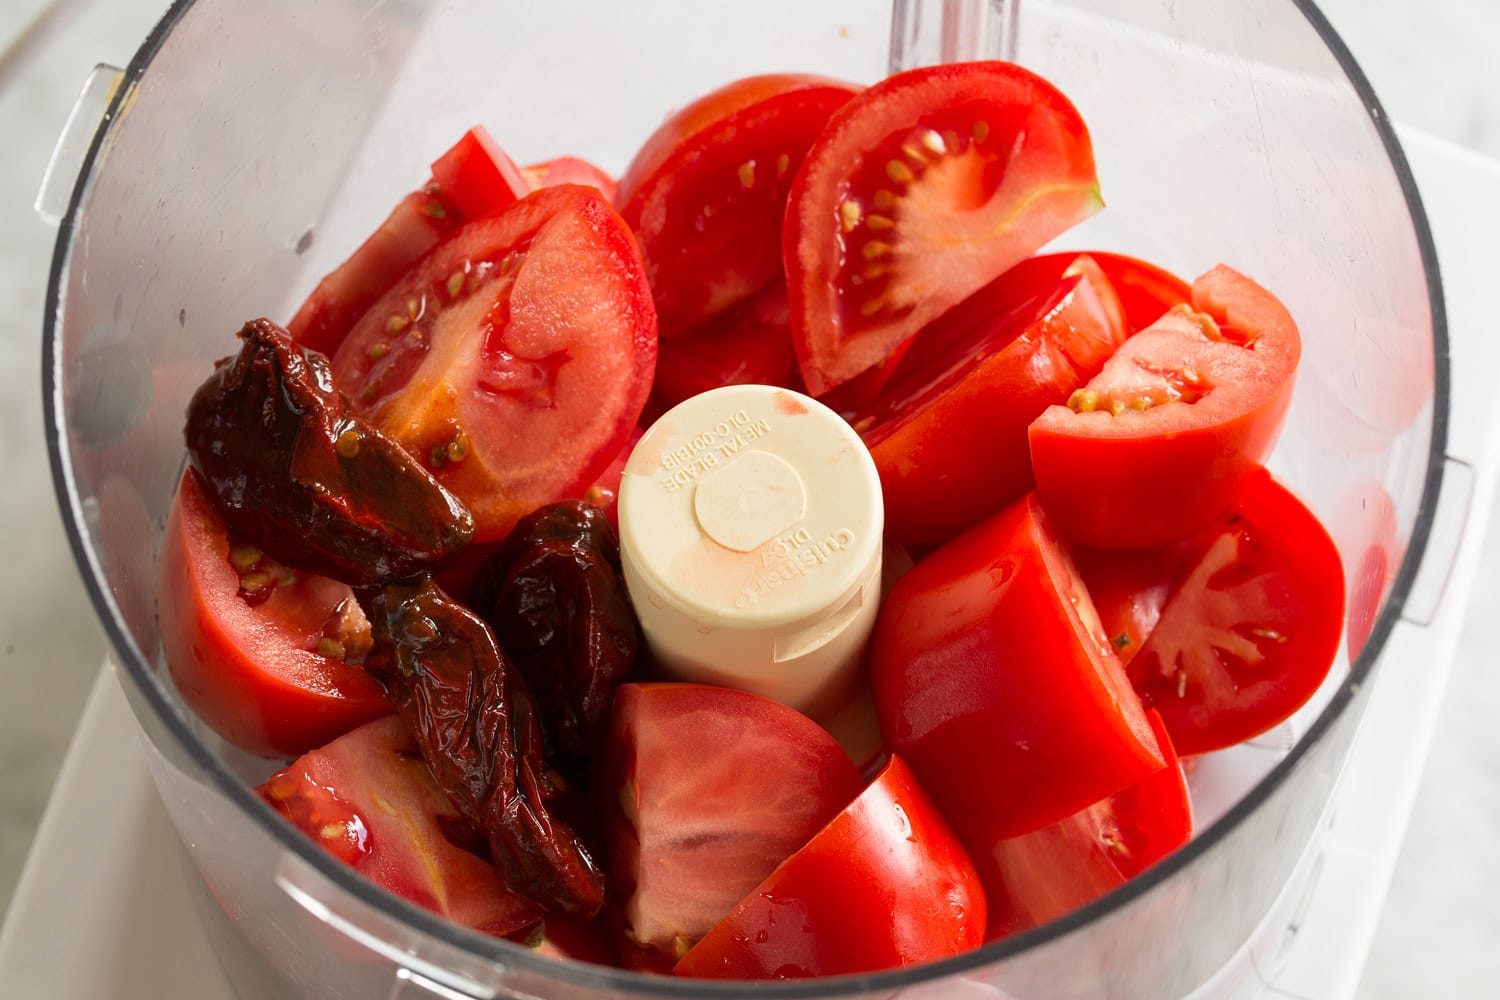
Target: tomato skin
[
  {"x": 706, "y": 192},
  {"x": 569, "y": 170},
  {"x": 477, "y": 176},
  {"x": 987, "y": 658},
  {"x": 885, "y": 885},
  {"x": 536, "y": 370},
  {"x": 1158, "y": 476},
  {"x": 995, "y": 361},
  {"x": 1253, "y": 628},
  {"x": 1130, "y": 587},
  {"x": 369, "y": 800},
  {"x": 920, "y": 190},
  {"x": 1045, "y": 874},
  {"x": 252, "y": 673},
  {"x": 704, "y": 791}
]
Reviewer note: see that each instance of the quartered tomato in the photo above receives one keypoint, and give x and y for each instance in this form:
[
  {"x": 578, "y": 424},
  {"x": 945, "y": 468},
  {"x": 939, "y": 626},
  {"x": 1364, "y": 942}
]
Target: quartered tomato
[
  {"x": 1129, "y": 588},
  {"x": 569, "y": 170},
  {"x": 704, "y": 791},
  {"x": 473, "y": 178},
  {"x": 368, "y": 799},
  {"x": 920, "y": 190},
  {"x": 1042, "y": 875},
  {"x": 948, "y": 430},
  {"x": 516, "y": 359},
  {"x": 885, "y": 885},
  {"x": 1145, "y": 290},
  {"x": 1252, "y": 629},
  {"x": 750, "y": 344},
  {"x": 1156, "y": 448},
  {"x": 267, "y": 657},
  {"x": 706, "y": 193},
  {"x": 988, "y": 659}
]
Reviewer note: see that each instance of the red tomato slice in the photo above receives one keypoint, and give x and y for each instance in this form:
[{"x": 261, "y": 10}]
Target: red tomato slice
[
  {"x": 1020, "y": 344},
  {"x": 1157, "y": 447},
  {"x": 255, "y": 650},
  {"x": 988, "y": 660},
  {"x": 477, "y": 177},
  {"x": 920, "y": 190},
  {"x": 473, "y": 178},
  {"x": 1253, "y": 628},
  {"x": 749, "y": 345},
  {"x": 1045, "y": 874},
  {"x": 368, "y": 799},
  {"x": 705, "y": 791},
  {"x": 1146, "y": 291},
  {"x": 885, "y": 885},
  {"x": 707, "y": 191},
  {"x": 569, "y": 170},
  {"x": 516, "y": 359}
]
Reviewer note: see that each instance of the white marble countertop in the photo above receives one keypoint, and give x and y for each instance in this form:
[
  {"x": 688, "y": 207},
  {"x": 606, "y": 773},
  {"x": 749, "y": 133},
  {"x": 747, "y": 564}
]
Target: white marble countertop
[{"x": 1432, "y": 69}]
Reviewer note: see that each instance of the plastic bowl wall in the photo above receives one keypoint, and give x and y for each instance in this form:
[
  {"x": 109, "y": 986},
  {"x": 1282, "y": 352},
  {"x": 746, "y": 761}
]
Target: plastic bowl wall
[{"x": 251, "y": 147}]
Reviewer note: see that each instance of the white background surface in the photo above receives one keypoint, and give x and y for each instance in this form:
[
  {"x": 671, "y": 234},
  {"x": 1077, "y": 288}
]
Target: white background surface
[{"x": 1432, "y": 69}]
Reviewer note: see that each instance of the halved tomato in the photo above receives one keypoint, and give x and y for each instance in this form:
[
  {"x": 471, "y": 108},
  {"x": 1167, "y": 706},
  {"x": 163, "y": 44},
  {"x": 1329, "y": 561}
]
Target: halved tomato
[
  {"x": 368, "y": 799},
  {"x": 515, "y": 361},
  {"x": 707, "y": 191},
  {"x": 477, "y": 178},
  {"x": 569, "y": 170},
  {"x": 750, "y": 344},
  {"x": 1252, "y": 630},
  {"x": 991, "y": 364},
  {"x": 267, "y": 657},
  {"x": 920, "y": 190},
  {"x": 885, "y": 885},
  {"x": 1042, "y": 875},
  {"x": 704, "y": 791},
  {"x": 1156, "y": 448},
  {"x": 988, "y": 660}
]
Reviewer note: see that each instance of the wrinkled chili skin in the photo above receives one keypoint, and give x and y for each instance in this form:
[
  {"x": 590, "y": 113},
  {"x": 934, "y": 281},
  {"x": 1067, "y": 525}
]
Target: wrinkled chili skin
[
  {"x": 477, "y": 729},
  {"x": 555, "y": 597},
  {"x": 296, "y": 473}
]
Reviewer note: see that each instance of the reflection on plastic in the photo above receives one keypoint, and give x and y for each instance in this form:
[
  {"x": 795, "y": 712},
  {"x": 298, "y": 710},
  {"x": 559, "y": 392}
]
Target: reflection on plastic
[
  {"x": 67, "y": 156},
  {"x": 1449, "y": 525}
]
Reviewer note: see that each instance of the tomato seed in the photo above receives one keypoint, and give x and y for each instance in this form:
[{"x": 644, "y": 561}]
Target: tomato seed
[
  {"x": 395, "y": 324},
  {"x": 782, "y": 163},
  {"x": 455, "y": 284},
  {"x": 331, "y": 648},
  {"x": 878, "y": 222},
  {"x": 244, "y": 557},
  {"x": 934, "y": 142},
  {"x": 747, "y": 174},
  {"x": 849, "y": 213},
  {"x": 981, "y": 131},
  {"x": 899, "y": 172},
  {"x": 347, "y": 444},
  {"x": 875, "y": 248}
]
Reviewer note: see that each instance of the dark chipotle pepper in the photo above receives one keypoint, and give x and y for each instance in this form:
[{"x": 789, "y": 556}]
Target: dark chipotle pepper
[
  {"x": 555, "y": 598},
  {"x": 296, "y": 473},
  {"x": 476, "y": 727}
]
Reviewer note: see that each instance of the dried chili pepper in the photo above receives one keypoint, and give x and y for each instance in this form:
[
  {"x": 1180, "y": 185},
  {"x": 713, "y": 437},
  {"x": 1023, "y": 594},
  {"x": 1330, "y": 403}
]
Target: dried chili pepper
[
  {"x": 555, "y": 598},
  {"x": 297, "y": 474},
  {"x": 477, "y": 729}
]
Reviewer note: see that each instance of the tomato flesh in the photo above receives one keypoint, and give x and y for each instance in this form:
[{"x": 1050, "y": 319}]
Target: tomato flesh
[
  {"x": 516, "y": 360},
  {"x": 920, "y": 190},
  {"x": 1146, "y": 291},
  {"x": 1157, "y": 447},
  {"x": 885, "y": 885},
  {"x": 368, "y": 799},
  {"x": 995, "y": 362},
  {"x": 988, "y": 658},
  {"x": 706, "y": 193},
  {"x": 1045, "y": 874},
  {"x": 1252, "y": 629},
  {"x": 569, "y": 170},
  {"x": 704, "y": 791},
  {"x": 263, "y": 666}
]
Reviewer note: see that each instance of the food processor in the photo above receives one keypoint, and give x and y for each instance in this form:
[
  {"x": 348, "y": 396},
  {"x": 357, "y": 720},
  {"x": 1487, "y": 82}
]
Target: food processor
[{"x": 248, "y": 149}]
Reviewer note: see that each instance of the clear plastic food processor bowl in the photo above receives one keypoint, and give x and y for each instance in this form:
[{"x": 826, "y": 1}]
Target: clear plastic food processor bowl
[{"x": 249, "y": 147}]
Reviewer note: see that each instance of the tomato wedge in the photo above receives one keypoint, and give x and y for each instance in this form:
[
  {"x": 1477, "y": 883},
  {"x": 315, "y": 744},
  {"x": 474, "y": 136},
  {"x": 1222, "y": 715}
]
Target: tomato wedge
[
  {"x": 988, "y": 659},
  {"x": 997, "y": 360},
  {"x": 704, "y": 791},
  {"x": 473, "y": 178},
  {"x": 707, "y": 191},
  {"x": 1252, "y": 630},
  {"x": 368, "y": 799},
  {"x": 569, "y": 170},
  {"x": 1042, "y": 875},
  {"x": 516, "y": 359},
  {"x": 257, "y": 651},
  {"x": 1157, "y": 447},
  {"x": 1129, "y": 588},
  {"x": 885, "y": 885},
  {"x": 920, "y": 190},
  {"x": 1146, "y": 291}
]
